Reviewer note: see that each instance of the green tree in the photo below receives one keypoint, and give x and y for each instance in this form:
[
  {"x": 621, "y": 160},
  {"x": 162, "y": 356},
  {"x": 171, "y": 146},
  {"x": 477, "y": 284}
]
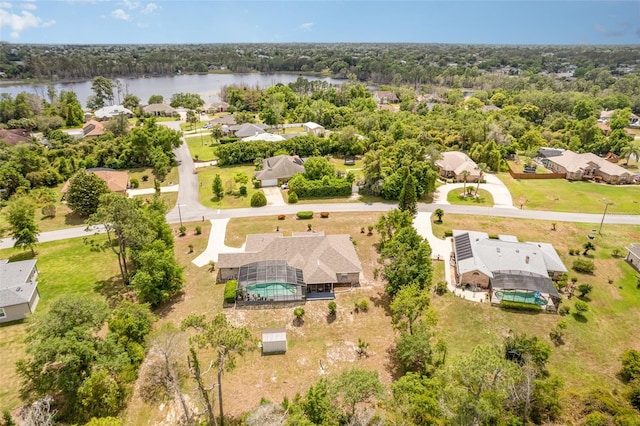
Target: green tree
[
  {"x": 126, "y": 225},
  {"x": 588, "y": 246},
  {"x": 100, "y": 394},
  {"x": 130, "y": 323},
  {"x": 315, "y": 168},
  {"x": 407, "y": 260},
  {"x": 64, "y": 337},
  {"x": 439, "y": 213},
  {"x": 318, "y": 404},
  {"x": 521, "y": 348},
  {"x": 22, "y": 224},
  {"x": 585, "y": 289},
  {"x": 217, "y": 132},
  {"x": 84, "y": 192},
  {"x": 224, "y": 339},
  {"x": 155, "y": 99},
  {"x": 415, "y": 398},
  {"x": 414, "y": 352},
  {"x": 158, "y": 275},
  {"x": 102, "y": 89},
  {"x": 408, "y": 200},
  {"x": 356, "y": 386},
  {"x": 630, "y": 365},
  {"x": 581, "y": 308},
  {"x": 483, "y": 169},
  {"x": 11, "y": 180},
  {"x": 218, "y": 190},
  {"x": 191, "y": 101},
  {"x": 70, "y": 109},
  {"x": 408, "y": 304},
  {"x": 131, "y": 101}
]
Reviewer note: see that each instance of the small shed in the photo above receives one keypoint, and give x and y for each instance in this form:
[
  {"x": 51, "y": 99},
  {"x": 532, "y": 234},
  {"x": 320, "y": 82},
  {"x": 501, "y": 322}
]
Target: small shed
[{"x": 274, "y": 341}]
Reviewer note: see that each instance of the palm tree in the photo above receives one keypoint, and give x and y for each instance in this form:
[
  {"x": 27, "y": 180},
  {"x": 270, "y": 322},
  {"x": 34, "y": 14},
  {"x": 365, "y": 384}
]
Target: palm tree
[
  {"x": 483, "y": 168},
  {"x": 630, "y": 149},
  {"x": 588, "y": 246},
  {"x": 465, "y": 173}
]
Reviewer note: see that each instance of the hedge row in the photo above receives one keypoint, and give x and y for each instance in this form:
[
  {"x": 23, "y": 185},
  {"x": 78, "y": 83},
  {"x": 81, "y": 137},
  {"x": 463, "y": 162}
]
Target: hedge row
[
  {"x": 519, "y": 306},
  {"x": 230, "y": 290},
  {"x": 326, "y": 187},
  {"x": 247, "y": 152},
  {"x": 305, "y": 214}
]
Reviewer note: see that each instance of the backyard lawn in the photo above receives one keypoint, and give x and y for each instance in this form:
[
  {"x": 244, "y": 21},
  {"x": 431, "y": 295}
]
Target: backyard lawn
[
  {"x": 229, "y": 201},
  {"x": 564, "y": 196}
]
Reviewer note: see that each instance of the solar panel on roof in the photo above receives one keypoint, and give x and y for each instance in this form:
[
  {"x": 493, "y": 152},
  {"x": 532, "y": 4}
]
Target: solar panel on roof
[{"x": 463, "y": 247}]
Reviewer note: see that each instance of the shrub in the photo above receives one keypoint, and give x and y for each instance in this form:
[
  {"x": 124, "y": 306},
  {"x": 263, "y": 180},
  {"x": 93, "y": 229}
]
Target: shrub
[
  {"x": 293, "y": 197},
  {"x": 327, "y": 187},
  {"x": 585, "y": 289},
  {"x": 182, "y": 230},
  {"x": 298, "y": 312},
  {"x": 630, "y": 365},
  {"x": 324, "y": 215},
  {"x": 581, "y": 307},
  {"x": 258, "y": 199},
  {"x": 584, "y": 266},
  {"x": 256, "y": 184},
  {"x": 134, "y": 183},
  {"x": 230, "y": 290},
  {"x": 243, "y": 191},
  {"x": 519, "y": 306},
  {"x": 333, "y": 308},
  {"x": 362, "y": 305},
  {"x": 448, "y": 233},
  {"x": 493, "y": 236},
  {"x": 145, "y": 178},
  {"x": 441, "y": 288},
  {"x": 305, "y": 214},
  {"x": 563, "y": 310},
  {"x": 572, "y": 252},
  {"x": 49, "y": 210},
  {"x": 634, "y": 394},
  {"x": 198, "y": 230},
  {"x": 282, "y": 216}
]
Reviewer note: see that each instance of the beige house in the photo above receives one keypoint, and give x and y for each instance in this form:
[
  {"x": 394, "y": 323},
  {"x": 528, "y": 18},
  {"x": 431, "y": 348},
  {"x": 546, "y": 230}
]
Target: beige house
[
  {"x": 454, "y": 164},
  {"x": 159, "y": 110},
  {"x": 385, "y": 97},
  {"x": 277, "y": 170},
  {"x": 18, "y": 289},
  {"x": 506, "y": 268},
  {"x": 116, "y": 181},
  {"x": 93, "y": 128},
  {"x": 582, "y": 166},
  {"x": 306, "y": 265}
]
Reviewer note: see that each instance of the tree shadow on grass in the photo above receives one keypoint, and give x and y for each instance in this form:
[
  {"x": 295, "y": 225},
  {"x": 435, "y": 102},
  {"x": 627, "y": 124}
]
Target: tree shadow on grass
[
  {"x": 381, "y": 300},
  {"x": 391, "y": 364},
  {"x": 331, "y": 318},
  {"x": 579, "y": 318},
  {"x": 166, "y": 308},
  {"x": 73, "y": 219},
  {"x": 114, "y": 291},
  {"x": 25, "y": 255}
]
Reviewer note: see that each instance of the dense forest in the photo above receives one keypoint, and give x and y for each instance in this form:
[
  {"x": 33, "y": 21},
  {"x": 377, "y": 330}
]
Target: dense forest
[{"x": 415, "y": 64}]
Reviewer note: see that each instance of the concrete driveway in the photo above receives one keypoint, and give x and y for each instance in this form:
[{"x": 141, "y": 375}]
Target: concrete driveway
[
  {"x": 216, "y": 244},
  {"x": 497, "y": 189},
  {"x": 274, "y": 196}
]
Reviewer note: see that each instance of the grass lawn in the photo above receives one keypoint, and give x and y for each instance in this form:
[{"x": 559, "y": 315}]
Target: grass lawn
[
  {"x": 170, "y": 198},
  {"x": 589, "y": 359},
  {"x": 200, "y": 147},
  {"x": 562, "y": 195},
  {"x": 229, "y": 201},
  {"x": 66, "y": 267},
  {"x": 518, "y": 167},
  {"x": 484, "y": 198},
  {"x": 171, "y": 179}
]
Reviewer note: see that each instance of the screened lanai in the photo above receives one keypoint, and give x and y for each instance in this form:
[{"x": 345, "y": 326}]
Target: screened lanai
[{"x": 270, "y": 280}]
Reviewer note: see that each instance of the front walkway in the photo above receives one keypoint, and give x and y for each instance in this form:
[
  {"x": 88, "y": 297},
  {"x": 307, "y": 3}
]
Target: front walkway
[{"x": 216, "y": 244}]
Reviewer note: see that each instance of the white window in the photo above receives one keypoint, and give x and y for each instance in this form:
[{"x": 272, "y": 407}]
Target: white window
[{"x": 2, "y": 313}]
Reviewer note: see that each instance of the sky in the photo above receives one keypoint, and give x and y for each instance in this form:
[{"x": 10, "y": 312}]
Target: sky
[{"x": 566, "y": 22}]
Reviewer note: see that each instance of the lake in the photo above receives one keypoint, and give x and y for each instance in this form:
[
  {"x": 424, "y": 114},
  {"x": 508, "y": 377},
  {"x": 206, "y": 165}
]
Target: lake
[{"x": 206, "y": 85}]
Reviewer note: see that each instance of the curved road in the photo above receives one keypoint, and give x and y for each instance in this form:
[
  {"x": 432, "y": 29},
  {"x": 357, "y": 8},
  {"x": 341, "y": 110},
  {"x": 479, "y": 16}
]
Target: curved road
[{"x": 189, "y": 209}]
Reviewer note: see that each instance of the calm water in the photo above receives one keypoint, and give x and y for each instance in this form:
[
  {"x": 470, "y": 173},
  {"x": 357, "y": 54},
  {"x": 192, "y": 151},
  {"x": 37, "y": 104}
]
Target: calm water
[{"x": 206, "y": 85}]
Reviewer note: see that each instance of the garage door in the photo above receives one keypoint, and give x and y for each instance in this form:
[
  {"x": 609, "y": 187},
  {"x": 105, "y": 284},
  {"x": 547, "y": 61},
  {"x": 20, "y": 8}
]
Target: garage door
[{"x": 269, "y": 182}]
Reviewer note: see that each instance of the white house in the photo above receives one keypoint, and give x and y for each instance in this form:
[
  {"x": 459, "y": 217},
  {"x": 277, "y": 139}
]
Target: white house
[{"x": 313, "y": 128}]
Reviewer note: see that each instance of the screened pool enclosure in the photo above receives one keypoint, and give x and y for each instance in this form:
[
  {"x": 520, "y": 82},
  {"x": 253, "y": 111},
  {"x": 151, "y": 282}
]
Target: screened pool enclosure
[{"x": 270, "y": 280}]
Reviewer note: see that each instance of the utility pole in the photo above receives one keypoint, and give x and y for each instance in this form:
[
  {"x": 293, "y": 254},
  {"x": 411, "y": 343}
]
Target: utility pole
[{"x": 606, "y": 206}]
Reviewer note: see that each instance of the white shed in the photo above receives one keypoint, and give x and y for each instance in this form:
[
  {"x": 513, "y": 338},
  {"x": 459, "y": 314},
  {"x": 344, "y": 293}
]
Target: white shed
[{"x": 274, "y": 341}]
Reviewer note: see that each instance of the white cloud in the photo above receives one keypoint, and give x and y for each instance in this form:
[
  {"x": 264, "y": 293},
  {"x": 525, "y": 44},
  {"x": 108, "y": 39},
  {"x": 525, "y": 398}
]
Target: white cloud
[
  {"x": 131, "y": 5},
  {"x": 306, "y": 27},
  {"x": 18, "y": 22},
  {"x": 28, "y": 6},
  {"x": 149, "y": 8},
  {"x": 48, "y": 24},
  {"x": 120, "y": 14},
  {"x": 5, "y": 5}
]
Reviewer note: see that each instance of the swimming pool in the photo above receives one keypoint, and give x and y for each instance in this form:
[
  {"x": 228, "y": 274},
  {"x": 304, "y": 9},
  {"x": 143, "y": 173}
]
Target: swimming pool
[
  {"x": 272, "y": 289},
  {"x": 532, "y": 297}
]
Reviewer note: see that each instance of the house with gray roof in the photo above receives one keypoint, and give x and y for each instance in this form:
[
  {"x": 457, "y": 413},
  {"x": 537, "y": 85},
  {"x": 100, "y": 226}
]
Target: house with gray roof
[
  {"x": 111, "y": 111},
  {"x": 454, "y": 164},
  {"x": 304, "y": 266},
  {"x": 277, "y": 170},
  {"x": 247, "y": 129},
  {"x": 159, "y": 110},
  {"x": 18, "y": 289},
  {"x": 508, "y": 269}
]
